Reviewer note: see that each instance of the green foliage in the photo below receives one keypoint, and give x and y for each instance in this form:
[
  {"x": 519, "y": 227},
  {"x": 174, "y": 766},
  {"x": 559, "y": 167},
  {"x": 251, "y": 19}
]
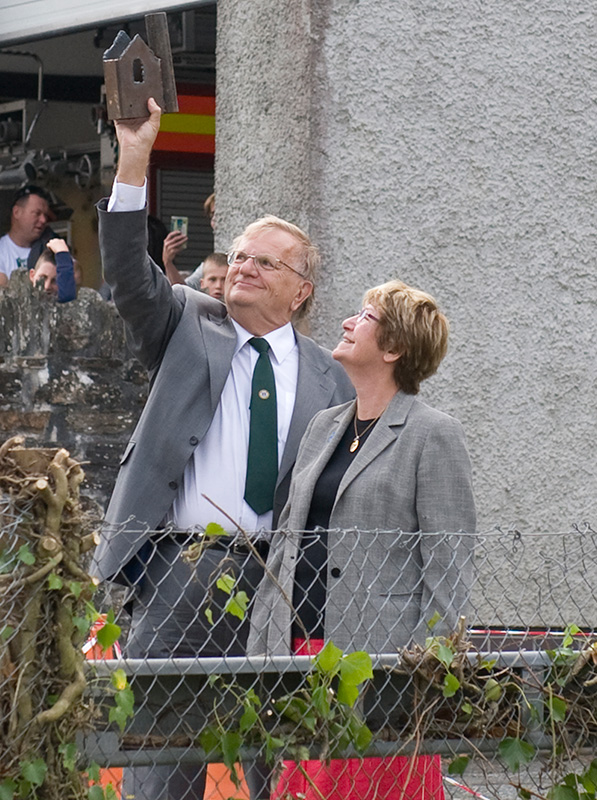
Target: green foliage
[
  {"x": 55, "y": 582},
  {"x": 516, "y": 752},
  {"x": 68, "y": 751},
  {"x": 458, "y": 765},
  {"x": 109, "y": 632},
  {"x": 124, "y": 700},
  {"x": 25, "y": 555}
]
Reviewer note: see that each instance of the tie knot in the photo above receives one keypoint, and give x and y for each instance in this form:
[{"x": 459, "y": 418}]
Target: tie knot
[{"x": 260, "y": 345}]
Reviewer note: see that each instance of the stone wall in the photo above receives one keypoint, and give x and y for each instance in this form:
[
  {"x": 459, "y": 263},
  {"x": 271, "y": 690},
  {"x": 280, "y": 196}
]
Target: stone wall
[{"x": 67, "y": 379}]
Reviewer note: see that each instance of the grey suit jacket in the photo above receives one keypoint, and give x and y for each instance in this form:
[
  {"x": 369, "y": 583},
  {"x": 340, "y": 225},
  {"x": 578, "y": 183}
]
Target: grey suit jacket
[
  {"x": 186, "y": 341},
  {"x": 384, "y": 580}
]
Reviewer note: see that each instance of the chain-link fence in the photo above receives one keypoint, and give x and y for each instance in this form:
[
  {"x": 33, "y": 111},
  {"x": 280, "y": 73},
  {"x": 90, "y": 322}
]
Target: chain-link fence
[{"x": 334, "y": 664}]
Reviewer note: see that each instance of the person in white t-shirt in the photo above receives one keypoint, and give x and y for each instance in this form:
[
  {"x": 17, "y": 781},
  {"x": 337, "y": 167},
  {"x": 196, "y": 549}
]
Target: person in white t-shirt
[{"x": 29, "y": 231}]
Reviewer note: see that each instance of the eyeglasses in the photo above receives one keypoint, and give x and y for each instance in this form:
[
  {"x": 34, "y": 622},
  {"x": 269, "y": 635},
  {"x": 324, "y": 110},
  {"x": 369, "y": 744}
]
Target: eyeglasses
[
  {"x": 364, "y": 314},
  {"x": 265, "y": 262}
]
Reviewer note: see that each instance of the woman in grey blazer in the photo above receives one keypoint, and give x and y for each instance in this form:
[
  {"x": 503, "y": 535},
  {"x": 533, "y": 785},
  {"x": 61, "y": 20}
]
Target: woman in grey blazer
[
  {"x": 374, "y": 474},
  {"x": 370, "y": 545}
]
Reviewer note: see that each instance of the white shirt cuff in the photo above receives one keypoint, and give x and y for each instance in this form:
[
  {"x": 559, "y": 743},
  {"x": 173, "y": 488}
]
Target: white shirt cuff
[{"x": 125, "y": 197}]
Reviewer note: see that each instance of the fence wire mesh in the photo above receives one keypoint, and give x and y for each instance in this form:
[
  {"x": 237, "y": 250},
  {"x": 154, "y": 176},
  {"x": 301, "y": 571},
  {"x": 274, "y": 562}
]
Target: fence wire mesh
[{"x": 334, "y": 664}]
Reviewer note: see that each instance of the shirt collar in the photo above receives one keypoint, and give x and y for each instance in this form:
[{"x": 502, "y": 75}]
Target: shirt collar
[{"x": 282, "y": 341}]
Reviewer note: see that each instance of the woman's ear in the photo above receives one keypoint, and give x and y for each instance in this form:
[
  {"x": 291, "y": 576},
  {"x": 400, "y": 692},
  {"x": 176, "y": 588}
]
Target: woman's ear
[{"x": 391, "y": 358}]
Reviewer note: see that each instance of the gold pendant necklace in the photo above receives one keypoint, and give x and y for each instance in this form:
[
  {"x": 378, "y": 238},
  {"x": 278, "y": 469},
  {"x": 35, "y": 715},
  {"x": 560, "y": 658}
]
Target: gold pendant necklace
[{"x": 357, "y": 436}]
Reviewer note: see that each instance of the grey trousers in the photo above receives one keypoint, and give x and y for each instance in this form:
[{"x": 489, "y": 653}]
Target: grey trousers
[{"x": 168, "y": 620}]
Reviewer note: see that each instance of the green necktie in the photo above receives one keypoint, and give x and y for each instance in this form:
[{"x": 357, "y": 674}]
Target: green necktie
[{"x": 262, "y": 459}]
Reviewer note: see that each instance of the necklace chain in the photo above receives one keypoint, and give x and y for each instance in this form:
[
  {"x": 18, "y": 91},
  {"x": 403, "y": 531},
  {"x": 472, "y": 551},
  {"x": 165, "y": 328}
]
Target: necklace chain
[{"x": 357, "y": 436}]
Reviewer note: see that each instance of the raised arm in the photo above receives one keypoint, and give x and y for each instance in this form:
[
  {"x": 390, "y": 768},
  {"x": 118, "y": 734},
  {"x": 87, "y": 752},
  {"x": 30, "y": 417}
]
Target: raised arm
[
  {"x": 141, "y": 292},
  {"x": 65, "y": 270}
]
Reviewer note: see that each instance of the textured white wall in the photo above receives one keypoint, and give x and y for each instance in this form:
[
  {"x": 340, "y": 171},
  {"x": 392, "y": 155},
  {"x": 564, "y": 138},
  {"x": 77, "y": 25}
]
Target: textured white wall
[{"x": 451, "y": 144}]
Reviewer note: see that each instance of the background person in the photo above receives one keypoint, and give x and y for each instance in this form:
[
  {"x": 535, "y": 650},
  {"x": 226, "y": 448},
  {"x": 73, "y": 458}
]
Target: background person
[
  {"x": 56, "y": 269},
  {"x": 215, "y": 268},
  {"x": 28, "y": 233},
  {"x": 195, "y": 434},
  {"x": 389, "y": 466}
]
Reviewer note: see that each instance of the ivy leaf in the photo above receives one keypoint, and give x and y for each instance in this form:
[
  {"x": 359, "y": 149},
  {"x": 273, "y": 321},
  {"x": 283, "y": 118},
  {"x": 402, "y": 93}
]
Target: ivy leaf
[
  {"x": 466, "y": 707},
  {"x": 360, "y": 734},
  {"x": 54, "y": 581},
  {"x": 516, "y": 752},
  {"x": 76, "y": 587},
  {"x": 108, "y": 634},
  {"x": 458, "y": 765},
  {"x": 356, "y": 668},
  {"x": 493, "y": 690},
  {"x": 321, "y": 701},
  {"x": 562, "y": 793},
  {"x": 248, "y": 719},
  {"x": 93, "y": 772},
  {"x": 7, "y": 564},
  {"x": 329, "y": 658},
  {"x": 8, "y": 788},
  {"x": 213, "y": 529},
  {"x": 434, "y": 620},
  {"x": 451, "y": 685},
  {"x": 557, "y": 708},
  {"x": 34, "y": 772},
  {"x": 231, "y": 742},
  {"x": 445, "y": 655},
  {"x": 118, "y": 716},
  {"x": 524, "y": 794},
  {"x": 210, "y": 615},
  {"x": 226, "y": 583},
  {"x": 488, "y": 663},
  {"x": 119, "y": 680},
  {"x": 347, "y": 693},
  {"x": 209, "y": 739},
  {"x": 68, "y": 751},
  {"x": 81, "y": 624},
  {"x": 96, "y": 793},
  {"x": 111, "y": 793},
  {"x": 272, "y": 744},
  {"x": 237, "y": 605},
  {"x": 125, "y": 700},
  {"x": 569, "y": 632},
  {"x": 6, "y": 632},
  {"x": 25, "y": 555}
]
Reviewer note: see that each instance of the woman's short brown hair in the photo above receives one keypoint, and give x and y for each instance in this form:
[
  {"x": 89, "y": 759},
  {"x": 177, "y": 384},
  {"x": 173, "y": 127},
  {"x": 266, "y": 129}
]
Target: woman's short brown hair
[{"x": 412, "y": 325}]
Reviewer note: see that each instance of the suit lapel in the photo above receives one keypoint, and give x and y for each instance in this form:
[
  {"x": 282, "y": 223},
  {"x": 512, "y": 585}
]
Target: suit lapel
[
  {"x": 317, "y": 456},
  {"x": 383, "y": 434},
  {"x": 219, "y": 337},
  {"x": 315, "y": 390}
]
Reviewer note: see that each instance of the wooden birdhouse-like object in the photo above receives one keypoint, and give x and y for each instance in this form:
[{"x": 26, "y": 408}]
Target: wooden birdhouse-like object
[{"x": 134, "y": 72}]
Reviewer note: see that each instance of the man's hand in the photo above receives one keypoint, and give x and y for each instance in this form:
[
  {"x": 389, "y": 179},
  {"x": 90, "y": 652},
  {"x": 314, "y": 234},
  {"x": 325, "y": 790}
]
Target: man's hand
[
  {"x": 136, "y": 138},
  {"x": 57, "y": 246}
]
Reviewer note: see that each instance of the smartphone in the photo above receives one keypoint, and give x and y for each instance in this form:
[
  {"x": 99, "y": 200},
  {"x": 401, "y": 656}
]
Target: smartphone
[{"x": 180, "y": 224}]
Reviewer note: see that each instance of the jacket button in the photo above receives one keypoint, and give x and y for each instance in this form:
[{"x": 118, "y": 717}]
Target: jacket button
[
  {"x": 193, "y": 440},
  {"x": 335, "y": 572},
  {"x": 173, "y": 485}
]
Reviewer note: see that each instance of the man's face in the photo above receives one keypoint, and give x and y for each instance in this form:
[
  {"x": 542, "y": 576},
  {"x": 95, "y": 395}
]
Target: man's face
[
  {"x": 45, "y": 272},
  {"x": 213, "y": 280},
  {"x": 30, "y": 219},
  {"x": 262, "y": 300}
]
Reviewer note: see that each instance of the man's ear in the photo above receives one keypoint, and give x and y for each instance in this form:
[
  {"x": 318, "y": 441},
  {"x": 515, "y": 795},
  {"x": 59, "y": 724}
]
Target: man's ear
[
  {"x": 305, "y": 289},
  {"x": 32, "y": 276}
]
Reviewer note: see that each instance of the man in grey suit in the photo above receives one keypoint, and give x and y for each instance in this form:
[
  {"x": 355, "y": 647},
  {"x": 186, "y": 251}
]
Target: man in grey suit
[{"x": 193, "y": 437}]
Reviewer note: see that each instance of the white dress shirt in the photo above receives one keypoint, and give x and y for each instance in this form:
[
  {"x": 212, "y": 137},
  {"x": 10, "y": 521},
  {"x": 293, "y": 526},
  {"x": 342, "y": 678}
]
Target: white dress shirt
[{"x": 218, "y": 465}]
